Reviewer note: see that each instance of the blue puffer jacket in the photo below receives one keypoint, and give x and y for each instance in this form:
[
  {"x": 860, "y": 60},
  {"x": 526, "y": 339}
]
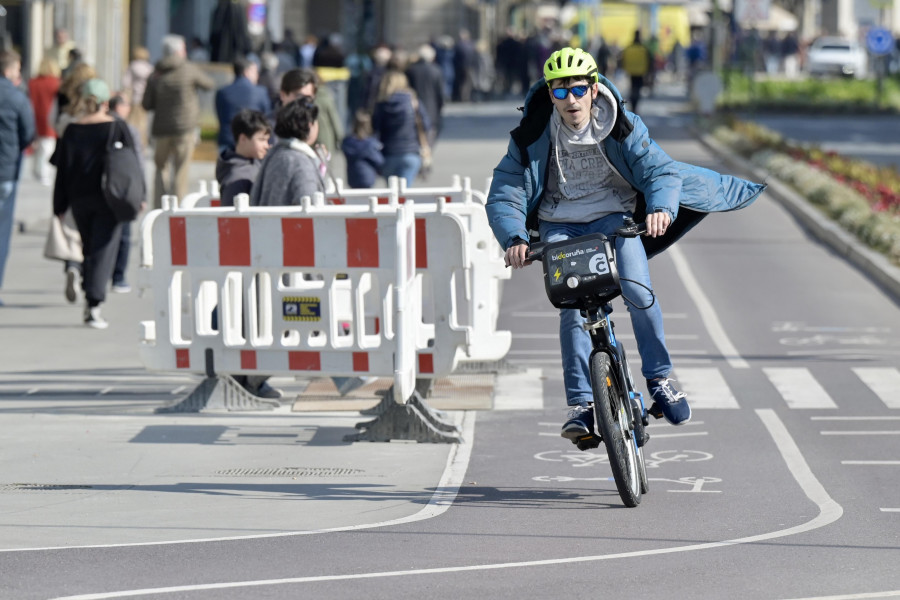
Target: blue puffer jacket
[{"x": 686, "y": 191}]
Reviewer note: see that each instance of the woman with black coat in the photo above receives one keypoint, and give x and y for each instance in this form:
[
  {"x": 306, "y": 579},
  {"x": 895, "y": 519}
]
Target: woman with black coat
[{"x": 80, "y": 159}]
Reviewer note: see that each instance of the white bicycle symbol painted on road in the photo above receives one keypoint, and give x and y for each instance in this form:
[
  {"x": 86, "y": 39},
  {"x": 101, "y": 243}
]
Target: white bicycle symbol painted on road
[{"x": 589, "y": 459}]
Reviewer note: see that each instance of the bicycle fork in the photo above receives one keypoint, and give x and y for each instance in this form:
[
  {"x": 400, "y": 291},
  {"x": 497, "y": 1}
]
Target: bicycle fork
[{"x": 603, "y": 339}]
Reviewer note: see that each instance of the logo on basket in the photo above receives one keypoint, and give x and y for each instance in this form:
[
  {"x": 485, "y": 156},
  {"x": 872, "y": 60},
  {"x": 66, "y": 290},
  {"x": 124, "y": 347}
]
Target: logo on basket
[{"x": 599, "y": 264}]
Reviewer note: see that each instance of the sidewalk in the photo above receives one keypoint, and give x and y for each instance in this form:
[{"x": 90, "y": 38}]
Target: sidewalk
[{"x": 86, "y": 461}]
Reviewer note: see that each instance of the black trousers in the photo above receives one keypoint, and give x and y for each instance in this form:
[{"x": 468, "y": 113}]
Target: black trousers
[
  {"x": 100, "y": 234},
  {"x": 637, "y": 82}
]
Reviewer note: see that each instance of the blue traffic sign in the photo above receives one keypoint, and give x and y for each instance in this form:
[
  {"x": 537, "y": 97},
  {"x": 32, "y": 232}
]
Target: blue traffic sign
[{"x": 879, "y": 41}]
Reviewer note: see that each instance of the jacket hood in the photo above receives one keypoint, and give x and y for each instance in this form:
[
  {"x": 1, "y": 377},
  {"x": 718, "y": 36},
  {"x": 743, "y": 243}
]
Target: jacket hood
[
  {"x": 170, "y": 62},
  {"x": 232, "y": 163}
]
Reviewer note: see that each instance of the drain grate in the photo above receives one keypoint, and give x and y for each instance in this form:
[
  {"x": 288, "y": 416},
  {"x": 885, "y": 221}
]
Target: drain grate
[
  {"x": 290, "y": 472},
  {"x": 42, "y": 487}
]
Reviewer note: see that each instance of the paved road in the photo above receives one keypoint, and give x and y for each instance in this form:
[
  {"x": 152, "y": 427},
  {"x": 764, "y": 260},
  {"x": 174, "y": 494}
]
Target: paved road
[{"x": 783, "y": 486}]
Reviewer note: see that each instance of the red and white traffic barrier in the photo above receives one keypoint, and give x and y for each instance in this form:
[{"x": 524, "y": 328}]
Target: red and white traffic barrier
[{"x": 293, "y": 289}]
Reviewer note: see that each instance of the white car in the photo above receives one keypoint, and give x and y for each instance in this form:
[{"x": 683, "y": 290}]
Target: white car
[{"x": 836, "y": 56}]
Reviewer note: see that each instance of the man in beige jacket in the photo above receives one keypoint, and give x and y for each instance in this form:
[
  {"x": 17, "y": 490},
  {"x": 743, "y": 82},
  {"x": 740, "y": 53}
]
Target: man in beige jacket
[{"x": 172, "y": 94}]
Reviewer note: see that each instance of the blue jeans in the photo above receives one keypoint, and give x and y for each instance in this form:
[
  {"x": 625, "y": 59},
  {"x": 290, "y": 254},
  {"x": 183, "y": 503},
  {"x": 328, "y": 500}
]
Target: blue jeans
[
  {"x": 402, "y": 165},
  {"x": 7, "y": 214},
  {"x": 575, "y": 342}
]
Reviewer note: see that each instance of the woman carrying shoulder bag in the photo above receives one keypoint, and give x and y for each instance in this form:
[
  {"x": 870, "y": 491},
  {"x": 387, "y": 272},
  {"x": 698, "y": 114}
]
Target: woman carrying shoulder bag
[{"x": 81, "y": 156}]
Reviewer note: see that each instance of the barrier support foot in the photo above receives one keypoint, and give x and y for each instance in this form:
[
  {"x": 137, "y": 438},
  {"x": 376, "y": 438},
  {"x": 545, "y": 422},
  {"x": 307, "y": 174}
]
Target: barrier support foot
[
  {"x": 216, "y": 394},
  {"x": 414, "y": 421}
]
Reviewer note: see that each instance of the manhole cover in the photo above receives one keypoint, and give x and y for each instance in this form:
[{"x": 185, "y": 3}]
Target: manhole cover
[
  {"x": 290, "y": 472},
  {"x": 41, "y": 487}
]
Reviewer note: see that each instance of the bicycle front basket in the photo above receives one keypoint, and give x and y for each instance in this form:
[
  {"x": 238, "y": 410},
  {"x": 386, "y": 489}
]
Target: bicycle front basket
[{"x": 580, "y": 272}]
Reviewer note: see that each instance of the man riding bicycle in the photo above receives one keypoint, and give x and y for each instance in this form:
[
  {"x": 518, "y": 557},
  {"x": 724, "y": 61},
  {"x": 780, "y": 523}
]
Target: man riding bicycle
[{"x": 579, "y": 163}]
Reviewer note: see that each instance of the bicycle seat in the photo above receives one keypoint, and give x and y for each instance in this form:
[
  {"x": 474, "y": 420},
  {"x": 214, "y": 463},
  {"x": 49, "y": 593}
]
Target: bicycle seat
[{"x": 580, "y": 272}]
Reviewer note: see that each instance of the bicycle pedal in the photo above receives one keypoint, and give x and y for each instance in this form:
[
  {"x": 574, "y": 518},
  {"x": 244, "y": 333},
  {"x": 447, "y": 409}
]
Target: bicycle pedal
[
  {"x": 655, "y": 411},
  {"x": 588, "y": 442}
]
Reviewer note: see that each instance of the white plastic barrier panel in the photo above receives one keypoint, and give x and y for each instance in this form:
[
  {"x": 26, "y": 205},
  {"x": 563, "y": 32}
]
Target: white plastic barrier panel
[
  {"x": 304, "y": 290},
  {"x": 208, "y": 196},
  {"x": 462, "y": 267}
]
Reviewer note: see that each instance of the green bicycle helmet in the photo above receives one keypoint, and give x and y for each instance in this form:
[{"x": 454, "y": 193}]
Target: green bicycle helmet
[{"x": 570, "y": 62}]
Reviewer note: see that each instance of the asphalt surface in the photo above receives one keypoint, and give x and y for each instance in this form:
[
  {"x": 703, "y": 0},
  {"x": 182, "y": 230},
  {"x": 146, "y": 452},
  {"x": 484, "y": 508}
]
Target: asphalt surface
[{"x": 784, "y": 484}]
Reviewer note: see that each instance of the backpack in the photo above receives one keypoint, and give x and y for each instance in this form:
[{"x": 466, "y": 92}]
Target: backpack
[{"x": 123, "y": 174}]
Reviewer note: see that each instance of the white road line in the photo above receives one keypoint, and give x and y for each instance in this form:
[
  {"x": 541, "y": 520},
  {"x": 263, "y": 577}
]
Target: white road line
[
  {"x": 519, "y": 391},
  {"x": 179, "y": 389},
  {"x": 706, "y": 388},
  {"x": 441, "y": 500},
  {"x": 870, "y": 462},
  {"x": 854, "y": 418},
  {"x": 884, "y": 382},
  {"x": 890, "y": 510},
  {"x": 860, "y": 596},
  {"x": 799, "y": 388},
  {"x": 829, "y": 512},
  {"x": 707, "y": 313},
  {"x": 105, "y": 391},
  {"x": 897, "y": 432}
]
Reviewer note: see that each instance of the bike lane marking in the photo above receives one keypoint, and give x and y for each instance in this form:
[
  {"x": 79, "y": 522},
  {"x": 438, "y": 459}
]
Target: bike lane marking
[
  {"x": 707, "y": 313},
  {"x": 829, "y": 512},
  {"x": 442, "y": 499}
]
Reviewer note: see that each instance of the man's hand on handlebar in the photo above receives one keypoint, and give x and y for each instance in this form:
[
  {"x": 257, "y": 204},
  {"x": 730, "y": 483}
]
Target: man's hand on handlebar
[
  {"x": 515, "y": 255},
  {"x": 657, "y": 223}
]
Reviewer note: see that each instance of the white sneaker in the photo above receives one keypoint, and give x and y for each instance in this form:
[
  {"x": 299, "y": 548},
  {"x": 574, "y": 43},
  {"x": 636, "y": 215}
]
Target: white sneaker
[
  {"x": 121, "y": 288},
  {"x": 71, "y": 279},
  {"x": 93, "y": 319}
]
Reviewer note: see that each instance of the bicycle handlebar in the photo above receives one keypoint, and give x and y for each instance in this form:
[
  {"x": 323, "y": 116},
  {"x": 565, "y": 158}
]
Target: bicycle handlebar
[{"x": 629, "y": 230}]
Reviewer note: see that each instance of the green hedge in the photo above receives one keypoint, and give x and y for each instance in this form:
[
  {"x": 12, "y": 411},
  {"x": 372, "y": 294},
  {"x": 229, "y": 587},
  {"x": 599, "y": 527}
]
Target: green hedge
[{"x": 809, "y": 95}]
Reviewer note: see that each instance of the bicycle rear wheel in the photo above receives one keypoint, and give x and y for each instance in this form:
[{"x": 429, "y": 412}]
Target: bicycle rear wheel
[{"x": 614, "y": 422}]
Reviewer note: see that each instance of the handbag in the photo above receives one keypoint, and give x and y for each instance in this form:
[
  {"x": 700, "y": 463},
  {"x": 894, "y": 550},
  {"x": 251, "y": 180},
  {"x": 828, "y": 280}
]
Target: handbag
[
  {"x": 63, "y": 240},
  {"x": 123, "y": 174}
]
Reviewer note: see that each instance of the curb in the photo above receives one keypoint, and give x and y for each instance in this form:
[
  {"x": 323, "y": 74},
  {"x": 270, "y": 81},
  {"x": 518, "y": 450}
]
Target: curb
[{"x": 875, "y": 265}]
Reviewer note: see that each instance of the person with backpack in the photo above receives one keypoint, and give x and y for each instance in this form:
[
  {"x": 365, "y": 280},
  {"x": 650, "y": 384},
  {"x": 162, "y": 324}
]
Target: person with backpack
[{"x": 80, "y": 160}]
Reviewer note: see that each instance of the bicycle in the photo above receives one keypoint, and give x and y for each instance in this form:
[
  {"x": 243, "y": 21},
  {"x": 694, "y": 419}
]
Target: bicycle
[{"x": 581, "y": 273}]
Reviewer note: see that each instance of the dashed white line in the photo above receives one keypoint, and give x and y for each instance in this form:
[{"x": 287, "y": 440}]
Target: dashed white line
[
  {"x": 870, "y": 462},
  {"x": 837, "y": 432}
]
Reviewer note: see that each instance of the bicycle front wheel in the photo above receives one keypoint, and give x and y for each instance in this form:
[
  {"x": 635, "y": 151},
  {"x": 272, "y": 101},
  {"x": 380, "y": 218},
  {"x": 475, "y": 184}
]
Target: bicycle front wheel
[{"x": 613, "y": 417}]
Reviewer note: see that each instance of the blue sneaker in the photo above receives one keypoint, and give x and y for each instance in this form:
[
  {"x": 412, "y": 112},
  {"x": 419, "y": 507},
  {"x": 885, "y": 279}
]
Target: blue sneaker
[
  {"x": 668, "y": 402},
  {"x": 579, "y": 423}
]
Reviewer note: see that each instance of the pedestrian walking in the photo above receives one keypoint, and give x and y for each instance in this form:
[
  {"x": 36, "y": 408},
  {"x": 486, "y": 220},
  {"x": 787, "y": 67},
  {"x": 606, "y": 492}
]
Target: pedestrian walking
[
  {"x": 172, "y": 94},
  {"x": 395, "y": 124},
  {"x": 363, "y": 153},
  {"x": 16, "y": 133},
  {"x": 426, "y": 80},
  {"x": 120, "y": 107},
  {"x": 637, "y": 62},
  {"x": 80, "y": 163},
  {"x": 62, "y": 46},
  {"x": 305, "y": 82},
  {"x": 42, "y": 91},
  {"x": 237, "y": 169},
  {"x": 134, "y": 83},
  {"x": 242, "y": 93}
]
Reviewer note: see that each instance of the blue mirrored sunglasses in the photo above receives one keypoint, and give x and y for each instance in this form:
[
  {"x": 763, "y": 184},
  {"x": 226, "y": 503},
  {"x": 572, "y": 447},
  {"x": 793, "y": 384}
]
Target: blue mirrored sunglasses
[{"x": 577, "y": 90}]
